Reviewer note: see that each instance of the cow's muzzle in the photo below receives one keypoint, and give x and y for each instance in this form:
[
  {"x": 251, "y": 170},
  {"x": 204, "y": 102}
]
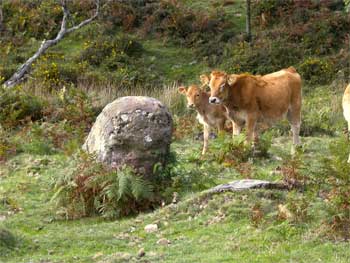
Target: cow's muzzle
[
  {"x": 190, "y": 106},
  {"x": 214, "y": 100}
]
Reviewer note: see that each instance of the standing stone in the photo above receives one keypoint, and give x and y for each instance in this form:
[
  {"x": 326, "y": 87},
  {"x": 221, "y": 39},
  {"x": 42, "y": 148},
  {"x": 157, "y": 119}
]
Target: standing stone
[{"x": 132, "y": 130}]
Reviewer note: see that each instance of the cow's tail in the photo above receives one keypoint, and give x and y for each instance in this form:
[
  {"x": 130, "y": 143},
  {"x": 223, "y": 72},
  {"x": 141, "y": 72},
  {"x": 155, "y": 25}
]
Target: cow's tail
[{"x": 291, "y": 69}]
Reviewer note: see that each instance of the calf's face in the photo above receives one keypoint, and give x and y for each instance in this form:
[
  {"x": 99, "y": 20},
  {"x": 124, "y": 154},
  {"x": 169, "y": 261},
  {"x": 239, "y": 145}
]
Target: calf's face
[
  {"x": 193, "y": 95},
  {"x": 219, "y": 83}
]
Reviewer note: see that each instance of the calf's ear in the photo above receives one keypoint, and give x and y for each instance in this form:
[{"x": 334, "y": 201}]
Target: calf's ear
[
  {"x": 231, "y": 79},
  {"x": 204, "y": 79},
  {"x": 182, "y": 90}
]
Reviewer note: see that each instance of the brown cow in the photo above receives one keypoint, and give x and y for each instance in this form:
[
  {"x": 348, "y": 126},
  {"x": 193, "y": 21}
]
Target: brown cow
[
  {"x": 209, "y": 115},
  {"x": 346, "y": 109},
  {"x": 259, "y": 98}
]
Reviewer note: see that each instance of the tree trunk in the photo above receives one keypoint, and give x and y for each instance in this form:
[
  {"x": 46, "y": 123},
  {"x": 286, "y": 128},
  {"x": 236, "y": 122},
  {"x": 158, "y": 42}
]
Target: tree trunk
[
  {"x": 20, "y": 74},
  {"x": 247, "y": 22},
  {"x": 1, "y": 16}
]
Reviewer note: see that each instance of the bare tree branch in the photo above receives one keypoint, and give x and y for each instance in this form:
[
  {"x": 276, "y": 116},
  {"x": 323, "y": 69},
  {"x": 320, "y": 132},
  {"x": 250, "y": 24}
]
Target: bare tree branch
[{"x": 23, "y": 69}]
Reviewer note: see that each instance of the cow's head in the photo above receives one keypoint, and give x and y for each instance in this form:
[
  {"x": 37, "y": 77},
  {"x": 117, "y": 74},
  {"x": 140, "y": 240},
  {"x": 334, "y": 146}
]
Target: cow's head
[
  {"x": 219, "y": 83},
  {"x": 193, "y": 95}
]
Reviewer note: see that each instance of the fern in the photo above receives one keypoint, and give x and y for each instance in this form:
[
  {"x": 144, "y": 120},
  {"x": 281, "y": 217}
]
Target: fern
[
  {"x": 336, "y": 173},
  {"x": 123, "y": 183},
  {"x": 140, "y": 188},
  {"x": 88, "y": 188}
]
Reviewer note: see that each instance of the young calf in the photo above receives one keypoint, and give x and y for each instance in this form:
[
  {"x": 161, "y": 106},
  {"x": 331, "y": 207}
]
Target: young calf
[
  {"x": 209, "y": 115},
  {"x": 346, "y": 109}
]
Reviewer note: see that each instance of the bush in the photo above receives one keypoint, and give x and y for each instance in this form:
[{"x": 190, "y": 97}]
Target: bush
[
  {"x": 316, "y": 71},
  {"x": 172, "y": 20},
  {"x": 232, "y": 150},
  {"x": 110, "y": 51},
  {"x": 292, "y": 169},
  {"x": 38, "y": 138},
  {"x": 265, "y": 57},
  {"x": 18, "y": 107},
  {"x": 7, "y": 145},
  {"x": 272, "y": 9},
  {"x": 7, "y": 241},
  {"x": 322, "y": 113},
  {"x": 336, "y": 173},
  {"x": 52, "y": 70},
  {"x": 89, "y": 188},
  {"x": 47, "y": 73},
  {"x": 71, "y": 105}
]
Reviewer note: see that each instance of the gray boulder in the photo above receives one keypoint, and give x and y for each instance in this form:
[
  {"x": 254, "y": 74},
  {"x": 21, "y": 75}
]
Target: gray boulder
[{"x": 133, "y": 130}]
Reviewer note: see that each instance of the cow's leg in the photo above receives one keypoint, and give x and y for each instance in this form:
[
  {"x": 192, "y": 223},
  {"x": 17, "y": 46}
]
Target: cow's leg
[
  {"x": 251, "y": 126},
  {"x": 294, "y": 118},
  {"x": 349, "y": 138},
  {"x": 221, "y": 126},
  {"x": 295, "y": 132},
  {"x": 206, "y": 131},
  {"x": 236, "y": 129}
]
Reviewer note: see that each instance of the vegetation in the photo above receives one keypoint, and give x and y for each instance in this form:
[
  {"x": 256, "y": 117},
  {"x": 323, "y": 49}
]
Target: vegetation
[{"x": 58, "y": 205}]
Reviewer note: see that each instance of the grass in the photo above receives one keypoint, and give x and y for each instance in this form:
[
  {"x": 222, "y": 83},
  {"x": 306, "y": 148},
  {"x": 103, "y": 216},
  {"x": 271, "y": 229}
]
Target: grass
[
  {"x": 185, "y": 68},
  {"x": 201, "y": 228},
  {"x": 234, "y": 10}
]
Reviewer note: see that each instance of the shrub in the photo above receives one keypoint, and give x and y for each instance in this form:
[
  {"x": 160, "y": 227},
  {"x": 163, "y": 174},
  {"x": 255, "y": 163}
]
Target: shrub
[
  {"x": 265, "y": 57},
  {"x": 298, "y": 205},
  {"x": 316, "y": 71},
  {"x": 322, "y": 113},
  {"x": 264, "y": 144},
  {"x": 291, "y": 170},
  {"x": 185, "y": 178},
  {"x": 272, "y": 9},
  {"x": 336, "y": 173},
  {"x": 47, "y": 73},
  {"x": 7, "y": 145},
  {"x": 347, "y": 5},
  {"x": 18, "y": 106},
  {"x": 110, "y": 51},
  {"x": 71, "y": 105},
  {"x": 88, "y": 188},
  {"x": 7, "y": 241},
  {"x": 48, "y": 138},
  {"x": 232, "y": 150}
]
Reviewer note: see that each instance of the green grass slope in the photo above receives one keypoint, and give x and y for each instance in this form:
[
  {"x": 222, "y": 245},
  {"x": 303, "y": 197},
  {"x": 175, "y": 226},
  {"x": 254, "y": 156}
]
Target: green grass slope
[{"x": 200, "y": 227}]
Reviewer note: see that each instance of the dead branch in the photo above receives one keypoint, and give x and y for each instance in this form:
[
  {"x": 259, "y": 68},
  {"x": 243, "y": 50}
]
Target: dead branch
[{"x": 19, "y": 75}]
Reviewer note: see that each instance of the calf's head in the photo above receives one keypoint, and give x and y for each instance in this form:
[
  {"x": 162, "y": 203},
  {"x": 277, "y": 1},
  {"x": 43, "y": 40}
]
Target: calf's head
[
  {"x": 193, "y": 95},
  {"x": 219, "y": 83}
]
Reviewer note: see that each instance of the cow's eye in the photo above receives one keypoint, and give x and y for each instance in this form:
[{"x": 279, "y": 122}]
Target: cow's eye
[
  {"x": 222, "y": 87},
  {"x": 197, "y": 95}
]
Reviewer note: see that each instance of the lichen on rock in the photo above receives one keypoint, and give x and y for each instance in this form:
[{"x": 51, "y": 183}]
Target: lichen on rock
[{"x": 132, "y": 130}]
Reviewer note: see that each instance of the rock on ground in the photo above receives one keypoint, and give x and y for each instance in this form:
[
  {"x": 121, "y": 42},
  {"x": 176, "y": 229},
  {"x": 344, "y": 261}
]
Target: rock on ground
[
  {"x": 132, "y": 130},
  {"x": 151, "y": 228},
  {"x": 245, "y": 184}
]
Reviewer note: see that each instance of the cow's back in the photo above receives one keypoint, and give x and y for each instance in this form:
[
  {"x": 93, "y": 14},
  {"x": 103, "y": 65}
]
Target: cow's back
[
  {"x": 280, "y": 92},
  {"x": 346, "y": 103},
  {"x": 284, "y": 79}
]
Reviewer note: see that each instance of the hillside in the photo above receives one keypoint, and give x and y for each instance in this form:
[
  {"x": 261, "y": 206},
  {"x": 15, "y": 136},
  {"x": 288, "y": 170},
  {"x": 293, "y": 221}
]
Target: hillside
[
  {"x": 151, "y": 48},
  {"x": 201, "y": 228}
]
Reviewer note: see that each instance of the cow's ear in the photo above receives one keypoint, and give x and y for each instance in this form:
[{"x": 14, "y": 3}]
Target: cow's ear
[
  {"x": 205, "y": 79},
  {"x": 182, "y": 90},
  {"x": 231, "y": 79}
]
